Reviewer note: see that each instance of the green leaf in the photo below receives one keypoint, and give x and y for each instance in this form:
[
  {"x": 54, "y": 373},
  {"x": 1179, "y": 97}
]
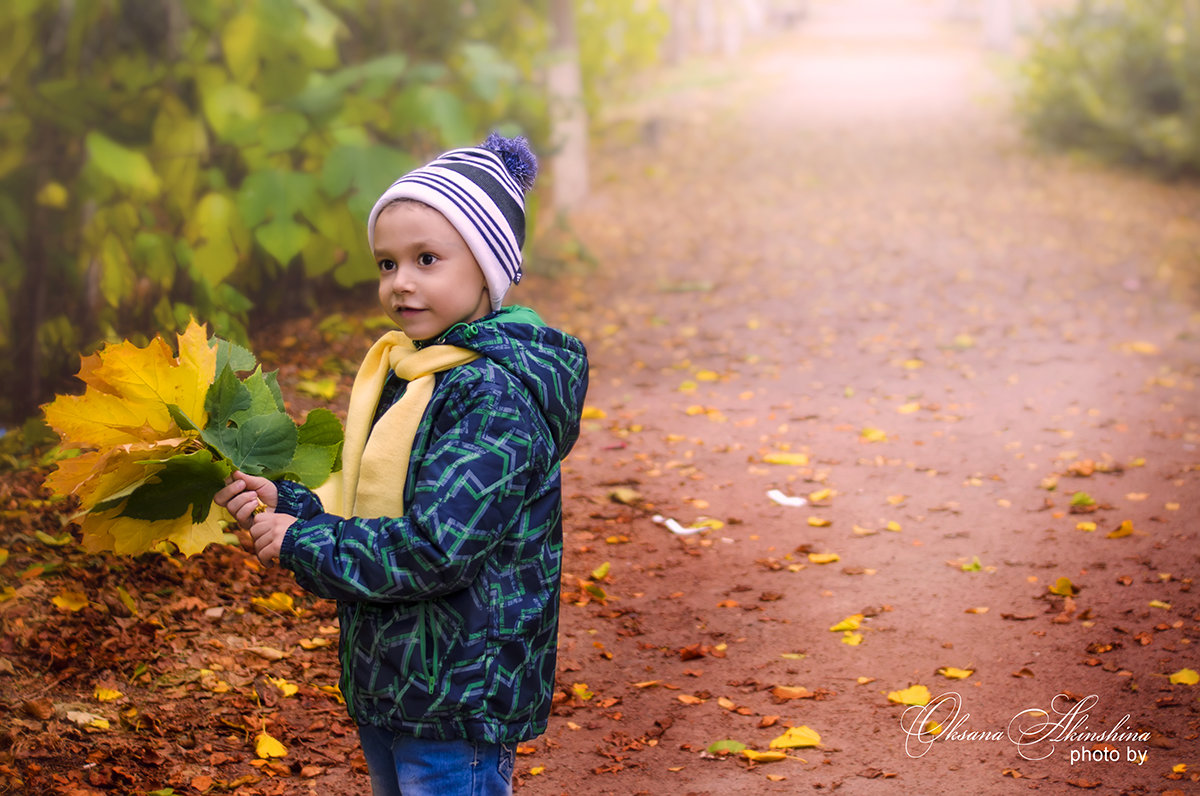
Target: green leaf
[
  {"x": 264, "y": 444},
  {"x": 282, "y": 131},
  {"x": 311, "y": 465},
  {"x": 265, "y": 396},
  {"x": 237, "y": 357},
  {"x": 126, "y": 167},
  {"x": 227, "y": 106},
  {"x": 274, "y": 193},
  {"x": 322, "y": 429},
  {"x": 283, "y": 239},
  {"x": 185, "y": 482},
  {"x": 725, "y": 747},
  {"x": 226, "y": 397}
]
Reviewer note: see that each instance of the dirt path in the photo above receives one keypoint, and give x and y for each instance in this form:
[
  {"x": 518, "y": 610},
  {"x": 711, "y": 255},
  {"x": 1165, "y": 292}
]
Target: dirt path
[{"x": 841, "y": 248}]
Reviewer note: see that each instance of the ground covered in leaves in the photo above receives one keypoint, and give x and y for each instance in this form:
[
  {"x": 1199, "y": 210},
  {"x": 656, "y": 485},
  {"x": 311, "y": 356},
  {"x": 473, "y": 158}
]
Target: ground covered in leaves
[{"x": 831, "y": 270}]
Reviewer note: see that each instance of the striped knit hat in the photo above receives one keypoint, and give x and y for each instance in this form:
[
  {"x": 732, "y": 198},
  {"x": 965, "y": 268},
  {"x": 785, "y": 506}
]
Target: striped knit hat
[{"x": 481, "y": 191}]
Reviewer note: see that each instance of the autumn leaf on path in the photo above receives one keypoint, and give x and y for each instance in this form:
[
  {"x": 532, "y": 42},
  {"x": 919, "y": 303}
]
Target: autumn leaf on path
[
  {"x": 797, "y": 738},
  {"x": 1185, "y": 677},
  {"x": 913, "y": 695},
  {"x": 954, "y": 673},
  {"x": 267, "y": 747}
]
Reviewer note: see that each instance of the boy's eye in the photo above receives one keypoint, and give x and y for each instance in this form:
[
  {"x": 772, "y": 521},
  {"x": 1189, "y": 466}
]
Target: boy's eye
[
  {"x": 427, "y": 259},
  {"x": 387, "y": 265}
]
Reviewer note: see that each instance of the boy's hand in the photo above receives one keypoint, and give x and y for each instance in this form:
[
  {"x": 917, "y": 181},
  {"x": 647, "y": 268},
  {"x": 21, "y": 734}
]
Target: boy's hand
[
  {"x": 267, "y": 532},
  {"x": 243, "y": 493}
]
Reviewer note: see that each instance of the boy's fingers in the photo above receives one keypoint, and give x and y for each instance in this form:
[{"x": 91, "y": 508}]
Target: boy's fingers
[{"x": 229, "y": 491}]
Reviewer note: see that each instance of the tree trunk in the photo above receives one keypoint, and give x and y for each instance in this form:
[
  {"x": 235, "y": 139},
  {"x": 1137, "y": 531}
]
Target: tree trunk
[{"x": 568, "y": 115}]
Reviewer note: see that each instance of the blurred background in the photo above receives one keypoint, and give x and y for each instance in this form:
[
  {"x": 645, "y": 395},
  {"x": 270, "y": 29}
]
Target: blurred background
[{"x": 161, "y": 159}]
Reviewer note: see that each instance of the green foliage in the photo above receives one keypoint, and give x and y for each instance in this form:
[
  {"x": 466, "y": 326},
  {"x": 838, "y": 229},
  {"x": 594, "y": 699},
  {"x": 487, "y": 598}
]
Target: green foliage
[
  {"x": 1120, "y": 78},
  {"x": 176, "y": 158},
  {"x": 167, "y": 159},
  {"x": 618, "y": 39}
]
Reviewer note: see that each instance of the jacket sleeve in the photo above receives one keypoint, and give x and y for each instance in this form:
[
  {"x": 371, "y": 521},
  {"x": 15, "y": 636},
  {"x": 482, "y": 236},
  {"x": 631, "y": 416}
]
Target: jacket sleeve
[
  {"x": 469, "y": 490},
  {"x": 297, "y": 500}
]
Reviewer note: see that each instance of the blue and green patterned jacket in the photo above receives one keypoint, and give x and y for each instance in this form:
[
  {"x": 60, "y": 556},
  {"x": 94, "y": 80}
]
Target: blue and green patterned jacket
[{"x": 449, "y": 614}]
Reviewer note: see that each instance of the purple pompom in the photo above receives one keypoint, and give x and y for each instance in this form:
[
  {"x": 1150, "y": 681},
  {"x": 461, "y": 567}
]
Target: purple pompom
[{"x": 517, "y": 157}]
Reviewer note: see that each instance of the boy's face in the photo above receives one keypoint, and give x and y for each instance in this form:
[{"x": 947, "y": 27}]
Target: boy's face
[{"x": 428, "y": 278}]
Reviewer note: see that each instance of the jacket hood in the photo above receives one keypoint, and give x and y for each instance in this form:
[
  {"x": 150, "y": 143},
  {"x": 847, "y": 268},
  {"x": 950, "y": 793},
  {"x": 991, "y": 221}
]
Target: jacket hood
[{"x": 551, "y": 364}]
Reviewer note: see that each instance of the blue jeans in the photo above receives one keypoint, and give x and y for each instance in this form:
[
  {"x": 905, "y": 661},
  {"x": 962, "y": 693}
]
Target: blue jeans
[{"x": 401, "y": 765}]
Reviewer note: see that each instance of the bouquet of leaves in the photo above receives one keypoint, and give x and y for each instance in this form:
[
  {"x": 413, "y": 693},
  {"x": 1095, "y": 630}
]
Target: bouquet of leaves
[{"x": 158, "y": 433}]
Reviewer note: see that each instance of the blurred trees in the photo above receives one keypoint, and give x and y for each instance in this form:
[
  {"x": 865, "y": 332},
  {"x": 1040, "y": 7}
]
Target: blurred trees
[
  {"x": 167, "y": 158},
  {"x": 1120, "y": 78}
]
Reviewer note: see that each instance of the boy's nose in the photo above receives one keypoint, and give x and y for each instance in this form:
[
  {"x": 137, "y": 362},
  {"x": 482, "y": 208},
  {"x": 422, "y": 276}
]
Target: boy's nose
[{"x": 402, "y": 281}]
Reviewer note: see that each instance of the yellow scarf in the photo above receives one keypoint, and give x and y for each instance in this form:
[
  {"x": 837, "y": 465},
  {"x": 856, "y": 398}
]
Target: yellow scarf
[{"x": 375, "y": 461}]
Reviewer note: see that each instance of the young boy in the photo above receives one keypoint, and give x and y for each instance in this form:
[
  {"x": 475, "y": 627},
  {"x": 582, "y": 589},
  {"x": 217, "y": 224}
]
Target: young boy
[{"x": 444, "y": 546}]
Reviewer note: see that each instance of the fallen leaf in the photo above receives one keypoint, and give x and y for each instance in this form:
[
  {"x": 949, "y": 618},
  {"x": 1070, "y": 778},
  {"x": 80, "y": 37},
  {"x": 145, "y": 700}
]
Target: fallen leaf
[
  {"x": 1063, "y": 587},
  {"x": 764, "y": 757},
  {"x": 580, "y": 691},
  {"x": 1185, "y": 677},
  {"x": 592, "y": 413},
  {"x": 953, "y": 673},
  {"x": 267, "y": 747},
  {"x": 913, "y": 695},
  {"x": 87, "y": 720},
  {"x": 794, "y": 459},
  {"x": 268, "y": 653},
  {"x": 1122, "y": 530},
  {"x": 853, "y": 639},
  {"x": 278, "y": 602},
  {"x": 819, "y": 522},
  {"x": 849, "y": 623},
  {"x": 725, "y": 747},
  {"x": 873, "y": 434},
  {"x": 285, "y": 688},
  {"x": 70, "y": 601},
  {"x": 797, "y": 738},
  {"x": 314, "y": 643},
  {"x": 106, "y": 694},
  {"x": 823, "y": 558},
  {"x": 785, "y": 692}
]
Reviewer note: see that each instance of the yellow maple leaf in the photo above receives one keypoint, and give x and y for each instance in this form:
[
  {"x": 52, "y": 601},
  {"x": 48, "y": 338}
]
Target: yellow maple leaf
[
  {"x": 1185, "y": 677},
  {"x": 852, "y": 639},
  {"x": 913, "y": 695},
  {"x": 593, "y": 413},
  {"x": 107, "y": 694},
  {"x": 797, "y": 738},
  {"x": 129, "y": 388},
  {"x": 954, "y": 673},
  {"x": 267, "y": 747},
  {"x": 192, "y": 537}
]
